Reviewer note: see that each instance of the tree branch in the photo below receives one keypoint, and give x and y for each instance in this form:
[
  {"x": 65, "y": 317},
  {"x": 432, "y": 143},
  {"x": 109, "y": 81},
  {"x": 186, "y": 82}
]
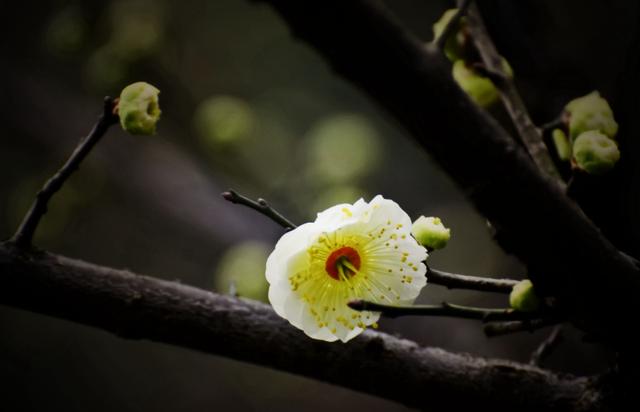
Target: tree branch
[
  {"x": 456, "y": 281},
  {"x": 140, "y": 307},
  {"x": 531, "y": 136},
  {"x": 444, "y": 309},
  {"x": 509, "y": 327},
  {"x": 556, "y": 123},
  {"x": 547, "y": 346},
  {"x": 26, "y": 230},
  {"x": 532, "y": 216},
  {"x": 260, "y": 206}
]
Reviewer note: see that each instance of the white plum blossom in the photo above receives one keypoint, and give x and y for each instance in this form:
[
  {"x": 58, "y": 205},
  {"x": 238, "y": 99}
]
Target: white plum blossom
[{"x": 360, "y": 251}]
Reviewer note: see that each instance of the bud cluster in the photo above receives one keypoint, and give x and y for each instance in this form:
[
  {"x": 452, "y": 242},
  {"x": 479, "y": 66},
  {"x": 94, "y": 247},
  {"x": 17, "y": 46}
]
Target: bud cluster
[
  {"x": 459, "y": 50},
  {"x": 587, "y": 137}
]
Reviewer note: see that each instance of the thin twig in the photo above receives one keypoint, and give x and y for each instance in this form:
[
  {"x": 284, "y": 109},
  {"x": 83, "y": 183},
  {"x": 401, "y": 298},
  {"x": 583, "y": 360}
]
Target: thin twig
[
  {"x": 556, "y": 123},
  {"x": 456, "y": 281},
  {"x": 261, "y": 206},
  {"x": 531, "y": 136},
  {"x": 547, "y": 346},
  {"x": 506, "y": 328},
  {"x": 498, "y": 78},
  {"x": 24, "y": 235},
  {"x": 444, "y": 309},
  {"x": 451, "y": 25}
]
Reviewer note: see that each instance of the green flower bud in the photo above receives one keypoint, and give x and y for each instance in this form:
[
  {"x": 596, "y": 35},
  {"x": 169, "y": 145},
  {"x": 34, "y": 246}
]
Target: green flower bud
[
  {"x": 563, "y": 147},
  {"x": 595, "y": 153},
  {"x": 455, "y": 44},
  {"x": 430, "y": 232},
  {"x": 591, "y": 112},
  {"x": 480, "y": 89},
  {"x": 138, "y": 108},
  {"x": 523, "y": 297}
]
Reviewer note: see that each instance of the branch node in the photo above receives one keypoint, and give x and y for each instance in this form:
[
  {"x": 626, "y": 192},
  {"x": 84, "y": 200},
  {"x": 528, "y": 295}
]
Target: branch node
[{"x": 260, "y": 206}]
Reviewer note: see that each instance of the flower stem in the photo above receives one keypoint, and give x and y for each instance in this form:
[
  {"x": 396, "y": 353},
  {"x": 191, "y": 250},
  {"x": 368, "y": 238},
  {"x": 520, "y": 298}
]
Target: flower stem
[{"x": 24, "y": 235}]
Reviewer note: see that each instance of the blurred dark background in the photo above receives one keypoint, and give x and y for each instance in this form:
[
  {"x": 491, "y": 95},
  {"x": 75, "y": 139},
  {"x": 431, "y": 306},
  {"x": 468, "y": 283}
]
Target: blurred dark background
[{"x": 246, "y": 106}]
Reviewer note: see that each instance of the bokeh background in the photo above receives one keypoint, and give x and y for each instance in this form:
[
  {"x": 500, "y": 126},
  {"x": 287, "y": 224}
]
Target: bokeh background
[{"x": 248, "y": 107}]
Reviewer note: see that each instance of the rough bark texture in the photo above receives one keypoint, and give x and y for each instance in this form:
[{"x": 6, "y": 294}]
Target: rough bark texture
[
  {"x": 140, "y": 307},
  {"x": 566, "y": 254}
]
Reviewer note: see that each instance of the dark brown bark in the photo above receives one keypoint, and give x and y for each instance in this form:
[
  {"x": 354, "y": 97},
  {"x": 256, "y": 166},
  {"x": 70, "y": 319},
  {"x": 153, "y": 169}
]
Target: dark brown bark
[
  {"x": 567, "y": 256},
  {"x": 140, "y": 307}
]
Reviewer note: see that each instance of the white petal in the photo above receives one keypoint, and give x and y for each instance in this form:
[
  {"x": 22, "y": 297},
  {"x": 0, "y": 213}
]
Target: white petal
[
  {"x": 384, "y": 210},
  {"x": 391, "y": 270},
  {"x": 289, "y": 245},
  {"x": 322, "y": 334},
  {"x": 278, "y": 296},
  {"x": 335, "y": 217}
]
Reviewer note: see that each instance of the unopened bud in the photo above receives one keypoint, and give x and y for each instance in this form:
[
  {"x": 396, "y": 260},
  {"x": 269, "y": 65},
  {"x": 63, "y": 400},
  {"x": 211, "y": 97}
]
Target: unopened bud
[
  {"x": 523, "y": 297},
  {"x": 591, "y": 112},
  {"x": 480, "y": 89},
  {"x": 595, "y": 153},
  {"x": 455, "y": 44},
  {"x": 430, "y": 232},
  {"x": 139, "y": 109},
  {"x": 563, "y": 147}
]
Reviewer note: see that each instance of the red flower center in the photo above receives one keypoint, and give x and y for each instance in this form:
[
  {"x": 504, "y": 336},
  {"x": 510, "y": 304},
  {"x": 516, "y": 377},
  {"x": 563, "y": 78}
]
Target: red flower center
[{"x": 346, "y": 259}]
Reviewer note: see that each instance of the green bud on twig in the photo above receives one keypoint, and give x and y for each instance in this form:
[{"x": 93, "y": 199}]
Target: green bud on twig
[
  {"x": 480, "y": 89},
  {"x": 523, "y": 297},
  {"x": 563, "y": 147},
  {"x": 455, "y": 45},
  {"x": 430, "y": 232},
  {"x": 139, "y": 109},
  {"x": 591, "y": 112},
  {"x": 595, "y": 153}
]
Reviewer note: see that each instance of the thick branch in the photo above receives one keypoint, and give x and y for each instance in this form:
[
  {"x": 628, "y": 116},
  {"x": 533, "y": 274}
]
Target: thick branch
[
  {"x": 531, "y": 136},
  {"x": 566, "y": 254},
  {"x": 27, "y": 228},
  {"x": 139, "y": 307}
]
